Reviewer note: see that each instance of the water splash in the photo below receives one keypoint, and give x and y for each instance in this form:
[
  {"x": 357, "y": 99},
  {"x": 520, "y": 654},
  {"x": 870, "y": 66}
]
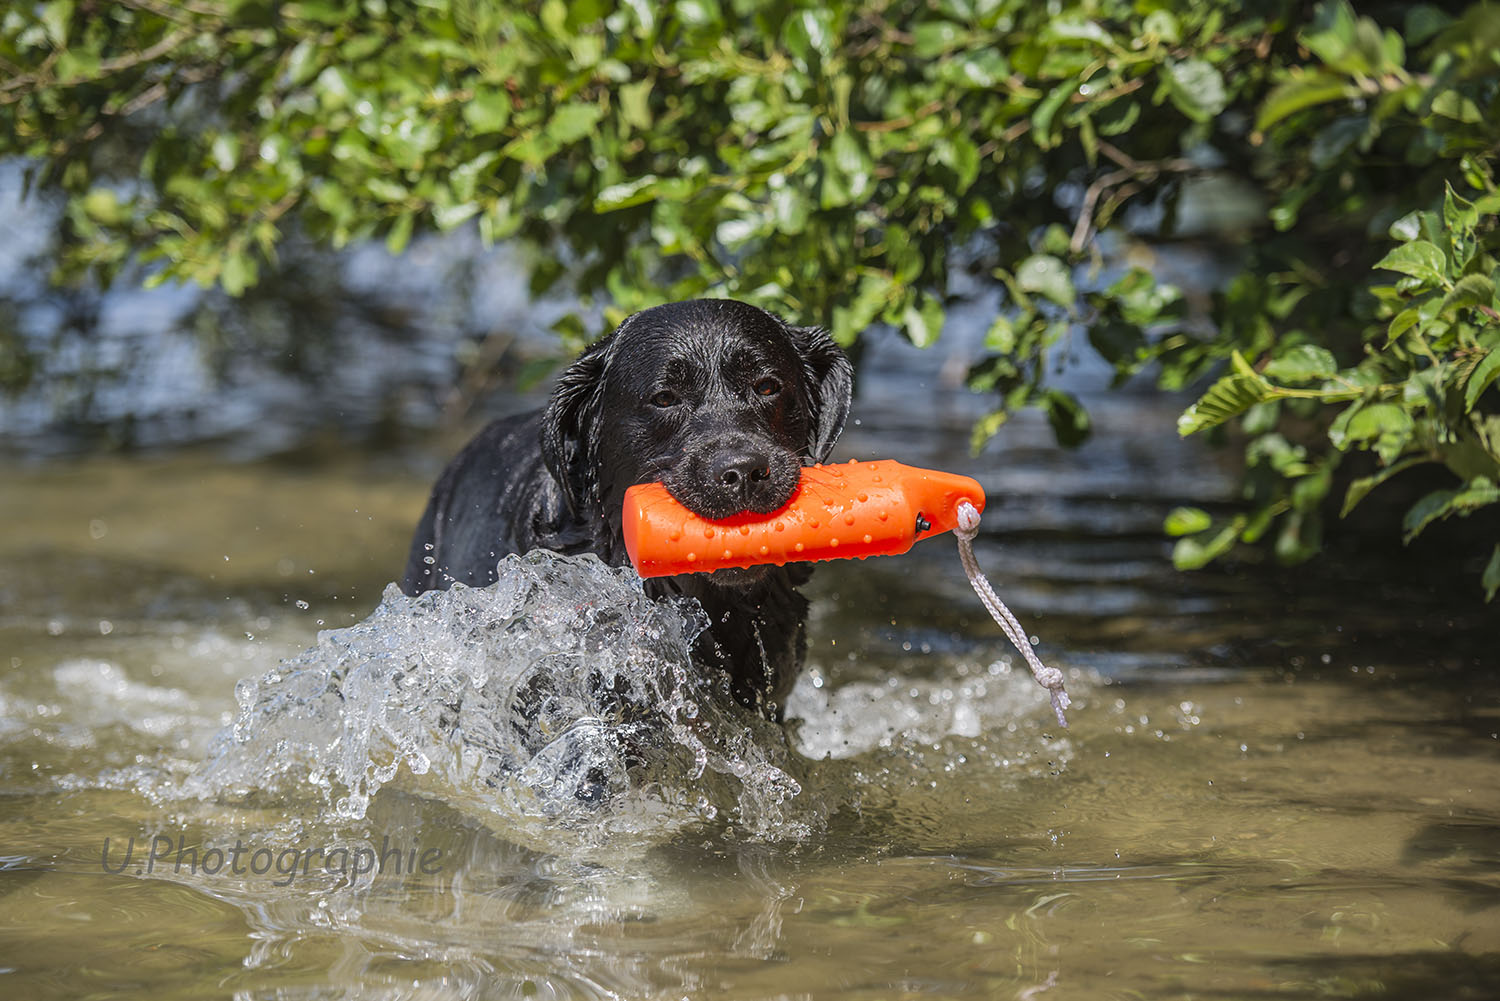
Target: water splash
[{"x": 559, "y": 699}]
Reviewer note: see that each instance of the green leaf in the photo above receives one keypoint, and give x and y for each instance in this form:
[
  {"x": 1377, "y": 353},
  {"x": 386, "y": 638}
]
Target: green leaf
[
  {"x": 1300, "y": 92},
  {"x": 1046, "y": 110},
  {"x": 1459, "y": 214},
  {"x": 959, "y": 154},
  {"x": 627, "y": 193},
  {"x": 809, "y": 31},
  {"x": 240, "y": 272},
  {"x": 1479, "y": 380},
  {"x": 1225, "y": 399},
  {"x": 1491, "y": 579},
  {"x": 1186, "y": 521},
  {"x": 1070, "y": 422},
  {"x": 932, "y": 38},
  {"x": 980, "y": 70},
  {"x": 1300, "y": 538},
  {"x": 869, "y": 301},
  {"x": 1303, "y": 363},
  {"x": 1470, "y": 290},
  {"x": 1419, "y": 259},
  {"x": 571, "y": 122},
  {"x": 487, "y": 111},
  {"x": 1360, "y": 488},
  {"x": 1441, "y": 504},
  {"x": 986, "y": 428},
  {"x": 635, "y": 104},
  {"x": 1163, "y": 25},
  {"x": 1196, "y": 88},
  {"x": 853, "y": 164},
  {"x": 1452, "y": 104},
  {"x": 1045, "y": 274},
  {"x": 1401, "y": 323},
  {"x": 923, "y": 324},
  {"x": 791, "y": 207},
  {"x": 1194, "y": 552},
  {"x": 104, "y": 207},
  {"x": 1376, "y": 419},
  {"x": 1408, "y": 227},
  {"x": 55, "y": 17},
  {"x": 400, "y": 233}
]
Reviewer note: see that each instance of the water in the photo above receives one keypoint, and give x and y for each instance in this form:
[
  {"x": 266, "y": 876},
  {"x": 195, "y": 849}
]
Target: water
[
  {"x": 1273, "y": 786},
  {"x": 559, "y": 703}
]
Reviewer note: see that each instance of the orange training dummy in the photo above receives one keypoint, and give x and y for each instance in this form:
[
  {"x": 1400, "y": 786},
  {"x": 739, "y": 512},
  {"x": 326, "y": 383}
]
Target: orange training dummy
[{"x": 856, "y": 509}]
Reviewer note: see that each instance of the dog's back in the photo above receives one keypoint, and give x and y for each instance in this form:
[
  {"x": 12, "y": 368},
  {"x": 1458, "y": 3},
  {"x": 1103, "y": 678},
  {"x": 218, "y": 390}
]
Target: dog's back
[{"x": 495, "y": 498}]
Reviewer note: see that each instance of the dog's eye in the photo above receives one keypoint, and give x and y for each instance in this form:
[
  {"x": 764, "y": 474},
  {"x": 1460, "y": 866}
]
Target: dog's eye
[
  {"x": 666, "y": 398},
  {"x": 768, "y": 387}
]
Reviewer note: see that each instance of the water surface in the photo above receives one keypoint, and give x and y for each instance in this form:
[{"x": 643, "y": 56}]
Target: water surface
[{"x": 1273, "y": 786}]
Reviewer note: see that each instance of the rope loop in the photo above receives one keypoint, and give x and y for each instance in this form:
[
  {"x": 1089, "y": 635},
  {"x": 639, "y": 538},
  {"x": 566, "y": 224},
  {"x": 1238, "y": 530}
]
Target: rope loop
[{"x": 1049, "y": 678}]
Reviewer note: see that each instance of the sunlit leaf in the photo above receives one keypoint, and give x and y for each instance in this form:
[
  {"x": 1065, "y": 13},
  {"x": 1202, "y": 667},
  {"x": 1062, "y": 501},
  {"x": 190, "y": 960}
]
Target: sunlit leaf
[
  {"x": 1047, "y": 275},
  {"x": 1225, "y": 399},
  {"x": 1419, "y": 259},
  {"x": 1186, "y": 521},
  {"x": 1302, "y": 363}
]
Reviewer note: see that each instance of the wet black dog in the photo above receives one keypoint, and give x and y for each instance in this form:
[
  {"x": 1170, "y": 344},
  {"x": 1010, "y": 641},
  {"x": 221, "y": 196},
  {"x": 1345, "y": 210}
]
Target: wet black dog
[{"x": 721, "y": 401}]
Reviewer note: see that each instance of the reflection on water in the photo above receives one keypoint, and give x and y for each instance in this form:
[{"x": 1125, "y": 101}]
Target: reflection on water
[{"x": 1272, "y": 787}]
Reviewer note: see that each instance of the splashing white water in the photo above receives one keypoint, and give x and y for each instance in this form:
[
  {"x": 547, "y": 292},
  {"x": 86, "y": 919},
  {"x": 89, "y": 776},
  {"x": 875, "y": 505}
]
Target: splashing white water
[{"x": 559, "y": 698}]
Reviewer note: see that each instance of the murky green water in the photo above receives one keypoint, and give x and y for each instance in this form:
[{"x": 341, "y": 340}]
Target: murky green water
[{"x": 1272, "y": 787}]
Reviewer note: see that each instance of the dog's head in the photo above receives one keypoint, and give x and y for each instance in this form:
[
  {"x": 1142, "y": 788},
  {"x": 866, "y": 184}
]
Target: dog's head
[{"x": 719, "y": 400}]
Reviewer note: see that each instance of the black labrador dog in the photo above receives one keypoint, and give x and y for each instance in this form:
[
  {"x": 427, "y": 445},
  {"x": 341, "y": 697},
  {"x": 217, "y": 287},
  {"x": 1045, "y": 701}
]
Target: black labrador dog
[{"x": 719, "y": 400}]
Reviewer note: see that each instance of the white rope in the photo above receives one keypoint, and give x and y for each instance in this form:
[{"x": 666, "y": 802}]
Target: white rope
[{"x": 1049, "y": 678}]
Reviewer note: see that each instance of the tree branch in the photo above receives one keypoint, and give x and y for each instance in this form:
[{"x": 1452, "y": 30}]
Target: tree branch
[{"x": 108, "y": 67}]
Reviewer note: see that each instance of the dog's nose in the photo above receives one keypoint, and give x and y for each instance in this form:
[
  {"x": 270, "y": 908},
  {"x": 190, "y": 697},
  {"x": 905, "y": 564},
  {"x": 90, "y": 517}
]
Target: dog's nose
[{"x": 741, "y": 470}]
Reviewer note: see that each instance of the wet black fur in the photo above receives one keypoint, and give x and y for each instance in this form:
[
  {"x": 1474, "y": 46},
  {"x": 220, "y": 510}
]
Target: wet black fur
[{"x": 721, "y": 401}]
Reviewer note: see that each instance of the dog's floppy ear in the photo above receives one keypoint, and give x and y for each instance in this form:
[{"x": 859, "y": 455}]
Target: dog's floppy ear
[
  {"x": 830, "y": 386},
  {"x": 569, "y": 424}
]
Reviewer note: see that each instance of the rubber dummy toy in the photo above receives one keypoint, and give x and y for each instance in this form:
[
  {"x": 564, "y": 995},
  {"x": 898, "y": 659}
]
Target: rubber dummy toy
[{"x": 844, "y": 511}]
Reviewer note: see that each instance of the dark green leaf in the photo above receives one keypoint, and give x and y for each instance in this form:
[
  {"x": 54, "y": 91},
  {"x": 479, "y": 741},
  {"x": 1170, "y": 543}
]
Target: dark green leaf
[
  {"x": 1360, "y": 488},
  {"x": 1440, "y": 504},
  {"x": 1470, "y": 290},
  {"x": 1070, "y": 422},
  {"x": 1479, "y": 380}
]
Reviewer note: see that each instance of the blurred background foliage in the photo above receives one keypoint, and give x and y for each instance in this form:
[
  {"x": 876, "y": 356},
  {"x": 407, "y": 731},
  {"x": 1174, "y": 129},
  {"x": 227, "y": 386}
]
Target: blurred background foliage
[{"x": 835, "y": 162}]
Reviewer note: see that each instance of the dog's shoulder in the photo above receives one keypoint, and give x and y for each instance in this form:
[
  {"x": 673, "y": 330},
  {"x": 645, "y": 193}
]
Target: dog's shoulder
[{"x": 494, "y": 498}]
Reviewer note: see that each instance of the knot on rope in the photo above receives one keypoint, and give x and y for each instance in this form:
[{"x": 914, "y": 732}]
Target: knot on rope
[{"x": 1049, "y": 678}]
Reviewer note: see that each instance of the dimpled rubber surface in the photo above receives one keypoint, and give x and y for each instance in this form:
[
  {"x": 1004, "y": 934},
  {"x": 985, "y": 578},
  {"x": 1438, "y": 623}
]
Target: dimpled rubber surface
[{"x": 839, "y": 511}]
